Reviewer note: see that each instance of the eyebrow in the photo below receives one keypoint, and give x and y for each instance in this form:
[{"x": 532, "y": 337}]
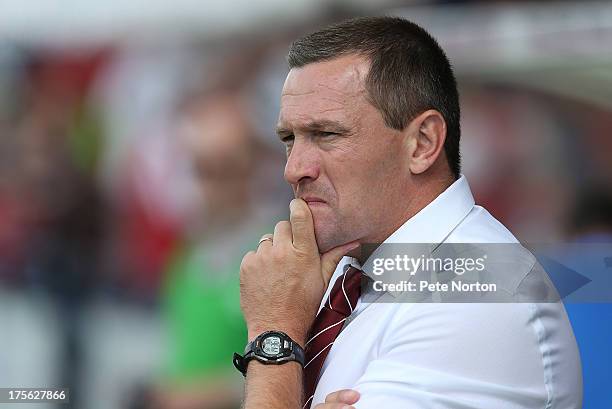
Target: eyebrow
[{"x": 319, "y": 125}]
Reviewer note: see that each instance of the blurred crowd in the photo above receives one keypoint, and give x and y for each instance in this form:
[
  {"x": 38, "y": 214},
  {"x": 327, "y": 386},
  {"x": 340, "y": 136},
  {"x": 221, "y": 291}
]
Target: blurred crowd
[{"x": 134, "y": 176}]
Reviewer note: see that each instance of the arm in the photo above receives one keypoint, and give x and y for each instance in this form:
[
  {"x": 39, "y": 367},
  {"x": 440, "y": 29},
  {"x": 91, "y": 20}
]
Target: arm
[
  {"x": 273, "y": 386},
  {"x": 286, "y": 391},
  {"x": 281, "y": 287}
]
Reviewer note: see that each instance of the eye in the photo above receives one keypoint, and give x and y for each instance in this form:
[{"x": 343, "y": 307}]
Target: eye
[
  {"x": 325, "y": 134},
  {"x": 287, "y": 139}
]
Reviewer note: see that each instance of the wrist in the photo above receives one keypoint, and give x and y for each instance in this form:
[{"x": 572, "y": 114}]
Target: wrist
[
  {"x": 296, "y": 334},
  {"x": 270, "y": 348}
]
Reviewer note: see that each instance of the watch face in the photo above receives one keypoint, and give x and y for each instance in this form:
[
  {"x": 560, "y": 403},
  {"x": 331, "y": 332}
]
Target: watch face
[{"x": 271, "y": 345}]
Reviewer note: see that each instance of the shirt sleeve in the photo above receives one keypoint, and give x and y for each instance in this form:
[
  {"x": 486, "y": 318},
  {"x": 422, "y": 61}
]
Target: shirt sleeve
[{"x": 467, "y": 356}]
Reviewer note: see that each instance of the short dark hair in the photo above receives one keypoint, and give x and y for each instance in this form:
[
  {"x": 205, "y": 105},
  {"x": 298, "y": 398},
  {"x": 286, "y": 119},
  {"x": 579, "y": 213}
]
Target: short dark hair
[{"x": 409, "y": 71}]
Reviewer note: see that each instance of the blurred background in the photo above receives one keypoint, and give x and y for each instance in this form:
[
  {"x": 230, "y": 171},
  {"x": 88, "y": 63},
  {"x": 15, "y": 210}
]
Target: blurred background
[{"x": 138, "y": 163}]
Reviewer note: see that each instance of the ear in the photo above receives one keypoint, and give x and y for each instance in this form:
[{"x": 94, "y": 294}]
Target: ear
[{"x": 427, "y": 135}]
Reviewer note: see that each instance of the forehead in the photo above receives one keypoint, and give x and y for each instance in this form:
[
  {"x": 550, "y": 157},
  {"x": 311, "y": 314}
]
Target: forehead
[{"x": 332, "y": 90}]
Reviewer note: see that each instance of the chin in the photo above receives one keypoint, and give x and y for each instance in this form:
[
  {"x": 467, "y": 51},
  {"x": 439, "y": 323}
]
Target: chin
[
  {"x": 323, "y": 242},
  {"x": 326, "y": 233},
  {"x": 327, "y": 240}
]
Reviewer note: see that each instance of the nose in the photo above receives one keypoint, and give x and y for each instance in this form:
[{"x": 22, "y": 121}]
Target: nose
[{"x": 303, "y": 162}]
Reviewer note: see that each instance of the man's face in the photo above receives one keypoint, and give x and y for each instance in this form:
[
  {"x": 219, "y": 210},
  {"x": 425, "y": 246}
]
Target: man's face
[{"x": 341, "y": 157}]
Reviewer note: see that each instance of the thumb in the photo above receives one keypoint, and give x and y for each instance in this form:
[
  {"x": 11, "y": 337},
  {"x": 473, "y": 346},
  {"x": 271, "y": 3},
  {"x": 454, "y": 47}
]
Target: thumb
[
  {"x": 330, "y": 260},
  {"x": 302, "y": 225}
]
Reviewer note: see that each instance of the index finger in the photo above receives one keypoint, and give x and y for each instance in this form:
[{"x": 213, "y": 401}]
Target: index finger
[{"x": 302, "y": 225}]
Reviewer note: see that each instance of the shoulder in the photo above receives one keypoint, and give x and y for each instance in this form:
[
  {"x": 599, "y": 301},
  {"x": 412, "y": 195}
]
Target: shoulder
[
  {"x": 491, "y": 349},
  {"x": 479, "y": 226},
  {"x": 510, "y": 265}
]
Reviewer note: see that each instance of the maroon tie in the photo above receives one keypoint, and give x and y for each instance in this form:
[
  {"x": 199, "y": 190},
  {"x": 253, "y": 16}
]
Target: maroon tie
[{"x": 327, "y": 325}]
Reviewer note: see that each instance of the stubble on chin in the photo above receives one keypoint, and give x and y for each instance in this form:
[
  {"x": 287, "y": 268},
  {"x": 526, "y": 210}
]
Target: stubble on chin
[{"x": 329, "y": 237}]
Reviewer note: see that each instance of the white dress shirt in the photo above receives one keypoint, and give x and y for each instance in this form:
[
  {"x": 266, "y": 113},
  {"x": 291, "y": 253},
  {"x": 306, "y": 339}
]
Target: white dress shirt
[{"x": 454, "y": 355}]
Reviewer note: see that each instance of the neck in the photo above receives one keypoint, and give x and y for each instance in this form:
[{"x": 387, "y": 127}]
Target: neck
[{"x": 421, "y": 194}]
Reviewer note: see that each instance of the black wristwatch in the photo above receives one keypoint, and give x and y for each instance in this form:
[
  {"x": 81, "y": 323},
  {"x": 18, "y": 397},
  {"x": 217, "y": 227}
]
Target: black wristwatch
[{"x": 270, "y": 348}]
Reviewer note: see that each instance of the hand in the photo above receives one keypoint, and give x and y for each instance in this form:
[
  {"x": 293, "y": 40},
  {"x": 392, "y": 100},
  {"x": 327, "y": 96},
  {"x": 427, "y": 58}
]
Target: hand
[
  {"x": 283, "y": 282},
  {"x": 339, "y": 400}
]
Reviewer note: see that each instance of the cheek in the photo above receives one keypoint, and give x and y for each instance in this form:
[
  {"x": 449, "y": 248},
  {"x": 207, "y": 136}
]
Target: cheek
[
  {"x": 360, "y": 173},
  {"x": 355, "y": 199},
  {"x": 368, "y": 188}
]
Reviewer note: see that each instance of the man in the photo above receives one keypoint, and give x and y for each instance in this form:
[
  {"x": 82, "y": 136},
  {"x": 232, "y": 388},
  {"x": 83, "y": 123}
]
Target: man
[{"x": 370, "y": 117}]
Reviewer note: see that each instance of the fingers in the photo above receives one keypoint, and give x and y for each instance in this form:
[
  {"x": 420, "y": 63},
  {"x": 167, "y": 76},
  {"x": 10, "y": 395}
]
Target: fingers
[
  {"x": 282, "y": 233},
  {"x": 265, "y": 242},
  {"x": 247, "y": 260},
  {"x": 302, "y": 226},
  {"x": 343, "y": 397},
  {"x": 333, "y": 406},
  {"x": 330, "y": 260}
]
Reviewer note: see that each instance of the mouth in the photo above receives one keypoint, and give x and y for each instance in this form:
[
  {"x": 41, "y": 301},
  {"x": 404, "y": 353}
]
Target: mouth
[{"x": 313, "y": 200}]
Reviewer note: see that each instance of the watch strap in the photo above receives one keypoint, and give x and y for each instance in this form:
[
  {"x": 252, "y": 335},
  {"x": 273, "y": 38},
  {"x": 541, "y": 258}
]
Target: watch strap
[{"x": 253, "y": 351}]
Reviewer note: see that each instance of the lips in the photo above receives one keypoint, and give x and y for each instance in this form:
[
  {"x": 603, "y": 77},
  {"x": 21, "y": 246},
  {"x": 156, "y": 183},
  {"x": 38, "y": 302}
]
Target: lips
[{"x": 313, "y": 200}]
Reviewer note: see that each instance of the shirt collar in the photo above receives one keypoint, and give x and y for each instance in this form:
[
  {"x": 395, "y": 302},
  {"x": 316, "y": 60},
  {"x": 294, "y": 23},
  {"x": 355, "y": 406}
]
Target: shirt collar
[{"x": 433, "y": 223}]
